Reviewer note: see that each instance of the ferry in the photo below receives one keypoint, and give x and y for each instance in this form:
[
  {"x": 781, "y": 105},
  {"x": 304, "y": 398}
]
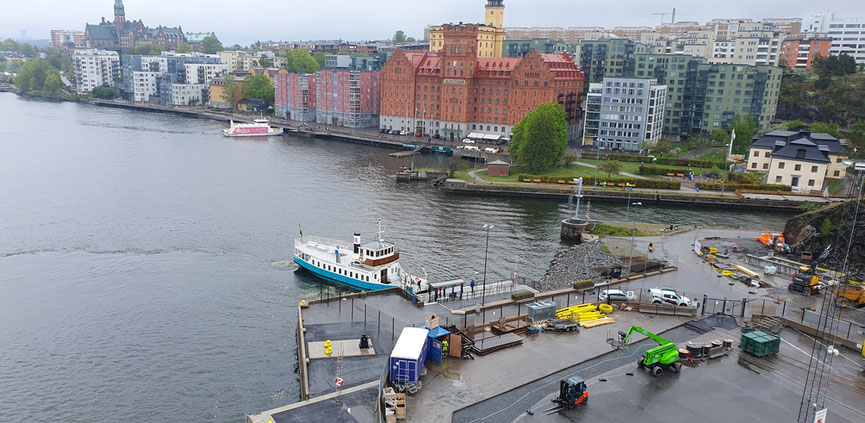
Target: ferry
[
  {"x": 258, "y": 128},
  {"x": 369, "y": 267}
]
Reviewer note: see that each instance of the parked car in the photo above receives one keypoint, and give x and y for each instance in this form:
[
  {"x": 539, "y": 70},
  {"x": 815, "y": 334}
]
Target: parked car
[
  {"x": 437, "y": 136},
  {"x": 491, "y": 150},
  {"x": 468, "y": 141},
  {"x": 472, "y": 148},
  {"x": 663, "y": 296},
  {"x": 616, "y": 295},
  {"x": 382, "y": 130}
]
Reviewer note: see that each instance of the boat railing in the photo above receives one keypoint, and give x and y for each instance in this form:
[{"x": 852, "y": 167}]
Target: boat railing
[{"x": 324, "y": 241}]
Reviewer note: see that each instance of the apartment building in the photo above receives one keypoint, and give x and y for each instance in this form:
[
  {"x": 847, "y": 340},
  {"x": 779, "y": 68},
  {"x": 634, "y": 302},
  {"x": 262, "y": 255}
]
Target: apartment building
[
  {"x": 848, "y": 34},
  {"x": 609, "y": 57},
  {"x": 61, "y": 39},
  {"x": 703, "y": 97},
  {"x": 632, "y": 113},
  {"x": 521, "y": 48},
  {"x": 347, "y": 98},
  {"x": 801, "y": 52},
  {"x": 145, "y": 85},
  {"x": 295, "y": 96},
  {"x": 592, "y": 113},
  {"x": 95, "y": 68},
  {"x": 203, "y": 73}
]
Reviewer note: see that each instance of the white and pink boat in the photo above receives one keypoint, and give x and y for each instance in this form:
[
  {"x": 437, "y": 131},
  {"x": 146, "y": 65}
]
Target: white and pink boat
[{"x": 259, "y": 128}]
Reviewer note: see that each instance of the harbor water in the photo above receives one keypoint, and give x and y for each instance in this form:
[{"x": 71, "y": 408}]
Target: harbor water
[{"x": 145, "y": 259}]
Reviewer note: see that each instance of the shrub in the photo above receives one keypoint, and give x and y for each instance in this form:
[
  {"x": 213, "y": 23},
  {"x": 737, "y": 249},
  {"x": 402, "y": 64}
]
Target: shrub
[
  {"x": 733, "y": 187},
  {"x": 658, "y": 160},
  {"x": 588, "y": 283},
  {"x": 522, "y": 295},
  {"x": 590, "y": 180},
  {"x": 659, "y": 170}
]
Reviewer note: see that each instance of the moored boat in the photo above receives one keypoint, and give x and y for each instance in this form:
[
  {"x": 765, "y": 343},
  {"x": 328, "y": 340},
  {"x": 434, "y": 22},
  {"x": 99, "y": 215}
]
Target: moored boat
[
  {"x": 259, "y": 127},
  {"x": 368, "y": 267}
]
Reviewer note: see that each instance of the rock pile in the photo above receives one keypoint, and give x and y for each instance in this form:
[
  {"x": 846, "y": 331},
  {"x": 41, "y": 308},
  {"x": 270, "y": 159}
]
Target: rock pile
[{"x": 575, "y": 264}]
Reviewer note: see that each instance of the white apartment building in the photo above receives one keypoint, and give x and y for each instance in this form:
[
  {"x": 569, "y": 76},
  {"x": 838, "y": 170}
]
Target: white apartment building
[
  {"x": 95, "y": 68},
  {"x": 236, "y": 60},
  {"x": 757, "y": 47},
  {"x": 187, "y": 94},
  {"x": 592, "y": 117},
  {"x": 848, "y": 34},
  {"x": 204, "y": 73},
  {"x": 632, "y": 112},
  {"x": 144, "y": 85}
]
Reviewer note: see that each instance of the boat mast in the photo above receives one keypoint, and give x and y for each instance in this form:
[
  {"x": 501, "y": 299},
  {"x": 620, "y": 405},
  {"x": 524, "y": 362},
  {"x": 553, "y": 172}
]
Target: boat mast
[{"x": 378, "y": 235}]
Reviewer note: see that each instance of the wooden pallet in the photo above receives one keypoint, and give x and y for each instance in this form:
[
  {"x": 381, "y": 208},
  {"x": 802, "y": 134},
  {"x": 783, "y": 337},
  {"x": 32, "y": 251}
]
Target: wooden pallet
[
  {"x": 518, "y": 326},
  {"x": 493, "y": 343},
  {"x": 598, "y": 322}
]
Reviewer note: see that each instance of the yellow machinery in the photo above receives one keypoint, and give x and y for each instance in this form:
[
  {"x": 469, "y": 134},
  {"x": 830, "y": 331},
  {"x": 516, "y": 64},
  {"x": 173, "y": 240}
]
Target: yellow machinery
[{"x": 850, "y": 295}]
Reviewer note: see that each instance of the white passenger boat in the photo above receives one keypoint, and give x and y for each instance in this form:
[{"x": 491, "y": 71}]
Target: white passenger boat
[
  {"x": 368, "y": 267},
  {"x": 259, "y": 128}
]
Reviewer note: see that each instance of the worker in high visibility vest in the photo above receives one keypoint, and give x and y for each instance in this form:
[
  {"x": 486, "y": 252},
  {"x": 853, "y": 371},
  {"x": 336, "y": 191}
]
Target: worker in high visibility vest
[{"x": 444, "y": 348}]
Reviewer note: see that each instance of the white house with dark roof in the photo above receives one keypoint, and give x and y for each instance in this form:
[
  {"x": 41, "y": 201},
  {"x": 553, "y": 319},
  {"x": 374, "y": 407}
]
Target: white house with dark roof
[{"x": 800, "y": 159}]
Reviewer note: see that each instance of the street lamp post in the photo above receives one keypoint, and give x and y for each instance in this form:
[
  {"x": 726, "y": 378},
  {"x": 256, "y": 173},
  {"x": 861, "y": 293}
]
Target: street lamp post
[
  {"x": 633, "y": 232},
  {"x": 486, "y": 226}
]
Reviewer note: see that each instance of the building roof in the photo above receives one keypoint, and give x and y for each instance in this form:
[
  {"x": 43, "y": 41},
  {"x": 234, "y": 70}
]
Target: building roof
[
  {"x": 800, "y": 145},
  {"x": 102, "y": 31},
  {"x": 771, "y": 139},
  {"x": 197, "y": 37},
  {"x": 499, "y": 162}
]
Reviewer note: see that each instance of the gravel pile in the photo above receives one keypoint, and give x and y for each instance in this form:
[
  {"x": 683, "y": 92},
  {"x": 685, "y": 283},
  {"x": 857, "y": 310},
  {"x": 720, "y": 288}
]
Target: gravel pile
[{"x": 575, "y": 264}]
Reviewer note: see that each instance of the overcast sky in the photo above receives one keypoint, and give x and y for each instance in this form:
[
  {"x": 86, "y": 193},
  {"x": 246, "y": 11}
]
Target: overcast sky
[{"x": 247, "y": 21}]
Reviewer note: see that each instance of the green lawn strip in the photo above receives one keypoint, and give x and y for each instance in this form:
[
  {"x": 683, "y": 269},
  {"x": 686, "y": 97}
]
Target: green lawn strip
[
  {"x": 571, "y": 171},
  {"x": 616, "y": 229},
  {"x": 634, "y": 167}
]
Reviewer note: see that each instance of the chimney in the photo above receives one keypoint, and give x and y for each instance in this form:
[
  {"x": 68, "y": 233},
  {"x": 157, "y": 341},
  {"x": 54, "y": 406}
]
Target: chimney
[
  {"x": 357, "y": 243},
  {"x": 103, "y": 19}
]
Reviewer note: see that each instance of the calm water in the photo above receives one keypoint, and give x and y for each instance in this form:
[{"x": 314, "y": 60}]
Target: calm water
[{"x": 145, "y": 267}]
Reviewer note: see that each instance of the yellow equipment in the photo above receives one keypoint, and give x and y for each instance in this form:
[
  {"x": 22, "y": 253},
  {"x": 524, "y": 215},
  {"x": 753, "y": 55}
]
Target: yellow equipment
[{"x": 850, "y": 295}]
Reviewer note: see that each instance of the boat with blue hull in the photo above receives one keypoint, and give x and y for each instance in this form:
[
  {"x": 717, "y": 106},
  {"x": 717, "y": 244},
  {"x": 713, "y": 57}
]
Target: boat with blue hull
[{"x": 361, "y": 267}]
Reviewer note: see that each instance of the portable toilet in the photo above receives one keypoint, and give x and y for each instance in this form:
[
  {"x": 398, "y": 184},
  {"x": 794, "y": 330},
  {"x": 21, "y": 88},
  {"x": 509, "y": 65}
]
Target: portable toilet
[{"x": 436, "y": 336}]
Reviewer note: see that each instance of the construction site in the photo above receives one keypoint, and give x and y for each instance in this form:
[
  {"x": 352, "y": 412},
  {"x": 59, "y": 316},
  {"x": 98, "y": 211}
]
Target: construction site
[{"x": 719, "y": 325}]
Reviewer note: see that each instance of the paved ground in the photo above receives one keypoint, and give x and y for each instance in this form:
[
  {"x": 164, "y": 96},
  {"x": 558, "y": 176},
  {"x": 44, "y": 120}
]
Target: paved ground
[
  {"x": 736, "y": 388},
  {"x": 350, "y": 408}
]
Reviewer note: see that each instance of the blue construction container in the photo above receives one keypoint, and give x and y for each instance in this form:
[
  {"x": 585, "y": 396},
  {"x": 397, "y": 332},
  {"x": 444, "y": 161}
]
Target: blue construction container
[
  {"x": 434, "y": 350},
  {"x": 409, "y": 353}
]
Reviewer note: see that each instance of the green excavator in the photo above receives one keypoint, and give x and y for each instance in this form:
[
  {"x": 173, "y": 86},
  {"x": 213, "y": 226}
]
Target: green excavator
[{"x": 656, "y": 360}]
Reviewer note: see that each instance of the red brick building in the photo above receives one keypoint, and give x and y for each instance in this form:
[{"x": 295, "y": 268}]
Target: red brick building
[
  {"x": 452, "y": 93},
  {"x": 801, "y": 53}
]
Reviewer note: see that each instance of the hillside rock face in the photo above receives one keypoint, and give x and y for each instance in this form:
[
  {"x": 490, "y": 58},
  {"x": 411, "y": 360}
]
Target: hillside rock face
[{"x": 803, "y": 234}]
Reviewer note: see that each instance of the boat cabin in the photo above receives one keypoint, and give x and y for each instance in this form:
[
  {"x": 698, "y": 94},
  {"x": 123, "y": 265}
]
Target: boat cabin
[{"x": 378, "y": 254}]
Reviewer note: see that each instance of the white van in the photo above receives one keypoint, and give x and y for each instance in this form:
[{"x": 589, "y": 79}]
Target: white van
[
  {"x": 491, "y": 150},
  {"x": 472, "y": 148}
]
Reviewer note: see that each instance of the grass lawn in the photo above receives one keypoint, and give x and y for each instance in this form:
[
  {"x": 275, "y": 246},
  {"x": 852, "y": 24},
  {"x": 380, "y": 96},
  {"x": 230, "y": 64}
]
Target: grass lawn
[
  {"x": 716, "y": 156},
  {"x": 464, "y": 176},
  {"x": 571, "y": 171},
  {"x": 621, "y": 229},
  {"x": 634, "y": 167}
]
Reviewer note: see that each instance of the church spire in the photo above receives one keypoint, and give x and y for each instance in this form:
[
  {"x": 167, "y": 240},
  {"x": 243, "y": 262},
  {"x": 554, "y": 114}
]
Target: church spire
[{"x": 119, "y": 17}]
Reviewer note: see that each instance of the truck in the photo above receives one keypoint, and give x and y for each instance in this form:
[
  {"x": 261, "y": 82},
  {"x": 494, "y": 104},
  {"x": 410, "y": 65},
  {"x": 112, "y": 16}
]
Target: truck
[
  {"x": 407, "y": 358},
  {"x": 850, "y": 295},
  {"x": 663, "y": 357}
]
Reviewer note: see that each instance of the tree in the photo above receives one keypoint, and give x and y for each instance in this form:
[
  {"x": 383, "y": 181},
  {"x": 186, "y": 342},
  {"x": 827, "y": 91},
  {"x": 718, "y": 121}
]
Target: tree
[
  {"x": 516, "y": 138},
  {"x": 32, "y": 74},
  {"x": 410, "y": 40},
  {"x": 148, "y": 50},
  {"x": 826, "y": 227},
  {"x": 258, "y": 86},
  {"x": 720, "y": 136},
  {"x": 840, "y": 65},
  {"x": 664, "y": 146},
  {"x": 611, "y": 167},
  {"x": 231, "y": 93},
  {"x": 399, "y": 37},
  {"x": 319, "y": 58},
  {"x": 745, "y": 128},
  {"x": 211, "y": 45},
  {"x": 53, "y": 84},
  {"x": 543, "y": 137},
  {"x": 184, "y": 47},
  {"x": 300, "y": 61},
  {"x": 857, "y": 138},
  {"x": 453, "y": 165},
  {"x": 265, "y": 61},
  {"x": 793, "y": 124},
  {"x": 104, "y": 92},
  {"x": 826, "y": 128}
]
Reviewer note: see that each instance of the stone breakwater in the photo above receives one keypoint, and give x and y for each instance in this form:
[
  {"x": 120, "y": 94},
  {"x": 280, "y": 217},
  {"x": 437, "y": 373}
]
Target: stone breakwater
[{"x": 575, "y": 264}]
